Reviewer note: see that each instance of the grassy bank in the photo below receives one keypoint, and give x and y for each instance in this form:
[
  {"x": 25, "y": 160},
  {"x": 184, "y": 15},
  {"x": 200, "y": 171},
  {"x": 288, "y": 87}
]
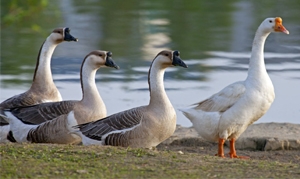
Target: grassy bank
[{"x": 66, "y": 161}]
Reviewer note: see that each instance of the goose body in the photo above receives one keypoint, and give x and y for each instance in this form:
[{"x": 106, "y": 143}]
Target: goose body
[
  {"x": 144, "y": 126},
  {"x": 46, "y": 123},
  {"x": 42, "y": 88},
  {"x": 228, "y": 113}
]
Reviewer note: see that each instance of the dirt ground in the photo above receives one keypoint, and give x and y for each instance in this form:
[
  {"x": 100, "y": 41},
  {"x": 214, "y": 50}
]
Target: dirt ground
[
  {"x": 208, "y": 148},
  {"x": 284, "y": 135}
]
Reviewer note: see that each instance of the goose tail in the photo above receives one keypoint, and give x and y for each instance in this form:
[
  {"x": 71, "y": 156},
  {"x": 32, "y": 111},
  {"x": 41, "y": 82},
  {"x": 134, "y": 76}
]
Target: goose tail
[
  {"x": 3, "y": 117},
  {"x": 5, "y": 133},
  {"x": 4, "y": 130},
  {"x": 18, "y": 129},
  {"x": 186, "y": 112},
  {"x": 72, "y": 123}
]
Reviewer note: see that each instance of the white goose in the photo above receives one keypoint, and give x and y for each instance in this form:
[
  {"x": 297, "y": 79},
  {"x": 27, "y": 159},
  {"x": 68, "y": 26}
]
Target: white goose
[
  {"x": 50, "y": 118},
  {"x": 42, "y": 88},
  {"x": 144, "y": 126},
  {"x": 228, "y": 113}
]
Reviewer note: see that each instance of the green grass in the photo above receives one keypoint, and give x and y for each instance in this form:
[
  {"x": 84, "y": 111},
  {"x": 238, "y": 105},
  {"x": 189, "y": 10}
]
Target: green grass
[{"x": 67, "y": 161}]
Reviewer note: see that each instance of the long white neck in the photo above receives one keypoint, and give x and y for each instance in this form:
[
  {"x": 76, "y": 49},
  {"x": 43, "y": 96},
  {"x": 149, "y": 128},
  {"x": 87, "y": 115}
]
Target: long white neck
[
  {"x": 158, "y": 96},
  {"x": 90, "y": 94},
  {"x": 257, "y": 69},
  {"x": 43, "y": 76}
]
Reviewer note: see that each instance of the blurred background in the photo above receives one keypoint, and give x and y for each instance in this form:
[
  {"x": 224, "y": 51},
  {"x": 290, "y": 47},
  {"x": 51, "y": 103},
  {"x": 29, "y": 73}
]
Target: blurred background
[{"x": 214, "y": 38}]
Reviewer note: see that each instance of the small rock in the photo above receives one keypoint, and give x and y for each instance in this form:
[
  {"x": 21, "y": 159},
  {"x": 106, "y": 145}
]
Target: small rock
[{"x": 81, "y": 171}]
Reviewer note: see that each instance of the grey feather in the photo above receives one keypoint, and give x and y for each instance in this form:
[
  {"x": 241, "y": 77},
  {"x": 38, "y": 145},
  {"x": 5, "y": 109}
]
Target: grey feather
[
  {"x": 40, "y": 113},
  {"x": 116, "y": 122}
]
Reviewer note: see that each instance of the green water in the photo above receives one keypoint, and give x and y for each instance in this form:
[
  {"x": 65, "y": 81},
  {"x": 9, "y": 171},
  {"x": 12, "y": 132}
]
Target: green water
[{"x": 136, "y": 30}]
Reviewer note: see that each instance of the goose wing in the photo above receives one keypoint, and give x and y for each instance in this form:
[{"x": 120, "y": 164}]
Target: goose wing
[
  {"x": 16, "y": 101},
  {"x": 222, "y": 100},
  {"x": 122, "y": 121},
  {"x": 40, "y": 113}
]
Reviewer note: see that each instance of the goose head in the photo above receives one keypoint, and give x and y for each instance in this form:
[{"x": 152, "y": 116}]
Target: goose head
[
  {"x": 62, "y": 34},
  {"x": 273, "y": 25},
  {"x": 168, "y": 58},
  {"x": 98, "y": 58}
]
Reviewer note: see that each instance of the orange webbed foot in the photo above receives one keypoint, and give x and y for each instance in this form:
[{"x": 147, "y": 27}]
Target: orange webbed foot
[
  {"x": 232, "y": 152},
  {"x": 239, "y": 157}
]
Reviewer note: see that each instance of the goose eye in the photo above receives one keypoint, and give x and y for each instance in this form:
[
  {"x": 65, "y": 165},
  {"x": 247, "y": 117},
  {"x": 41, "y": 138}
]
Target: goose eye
[
  {"x": 167, "y": 54},
  {"x": 270, "y": 21},
  {"x": 100, "y": 55}
]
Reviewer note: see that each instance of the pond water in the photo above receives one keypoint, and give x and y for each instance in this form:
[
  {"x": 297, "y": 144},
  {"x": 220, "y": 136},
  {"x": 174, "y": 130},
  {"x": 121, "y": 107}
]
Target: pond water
[{"x": 214, "y": 39}]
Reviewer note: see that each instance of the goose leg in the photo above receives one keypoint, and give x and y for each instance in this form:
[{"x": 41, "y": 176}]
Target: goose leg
[
  {"x": 221, "y": 148},
  {"x": 232, "y": 152}
]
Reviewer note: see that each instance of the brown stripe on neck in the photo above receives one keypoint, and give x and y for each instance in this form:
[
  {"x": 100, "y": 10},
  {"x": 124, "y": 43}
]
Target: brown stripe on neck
[
  {"x": 38, "y": 61},
  {"x": 95, "y": 52},
  {"x": 81, "y": 80},
  {"x": 151, "y": 68},
  {"x": 149, "y": 76}
]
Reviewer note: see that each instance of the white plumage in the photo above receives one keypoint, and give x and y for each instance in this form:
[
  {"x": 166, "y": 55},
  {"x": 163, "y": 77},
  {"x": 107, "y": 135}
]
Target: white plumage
[{"x": 228, "y": 113}]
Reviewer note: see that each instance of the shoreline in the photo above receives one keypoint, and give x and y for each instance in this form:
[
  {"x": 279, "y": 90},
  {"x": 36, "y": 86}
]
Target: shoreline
[{"x": 261, "y": 136}]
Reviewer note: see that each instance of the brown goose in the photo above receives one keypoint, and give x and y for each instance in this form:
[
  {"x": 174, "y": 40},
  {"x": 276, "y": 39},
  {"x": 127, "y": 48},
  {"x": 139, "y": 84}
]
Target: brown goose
[
  {"x": 50, "y": 118},
  {"x": 144, "y": 126},
  {"x": 43, "y": 88}
]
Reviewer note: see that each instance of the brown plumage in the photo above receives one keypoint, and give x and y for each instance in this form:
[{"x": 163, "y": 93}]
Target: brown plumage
[
  {"x": 144, "y": 126},
  {"x": 89, "y": 108},
  {"x": 42, "y": 88}
]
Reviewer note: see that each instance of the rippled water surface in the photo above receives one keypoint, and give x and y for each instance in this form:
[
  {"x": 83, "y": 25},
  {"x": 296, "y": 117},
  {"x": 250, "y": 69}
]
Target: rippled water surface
[{"x": 214, "y": 39}]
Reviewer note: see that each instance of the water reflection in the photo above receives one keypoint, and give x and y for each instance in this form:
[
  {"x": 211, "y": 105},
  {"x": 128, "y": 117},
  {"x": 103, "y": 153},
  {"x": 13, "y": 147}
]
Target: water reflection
[
  {"x": 247, "y": 55},
  {"x": 214, "y": 38}
]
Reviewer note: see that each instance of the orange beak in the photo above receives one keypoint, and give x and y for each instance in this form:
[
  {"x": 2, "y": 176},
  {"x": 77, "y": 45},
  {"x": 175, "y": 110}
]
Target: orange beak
[{"x": 279, "y": 27}]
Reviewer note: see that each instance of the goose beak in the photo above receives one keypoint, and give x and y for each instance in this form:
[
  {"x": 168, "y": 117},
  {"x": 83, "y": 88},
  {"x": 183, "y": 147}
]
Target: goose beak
[
  {"x": 110, "y": 63},
  {"x": 279, "y": 27},
  {"x": 68, "y": 36},
  {"x": 177, "y": 60}
]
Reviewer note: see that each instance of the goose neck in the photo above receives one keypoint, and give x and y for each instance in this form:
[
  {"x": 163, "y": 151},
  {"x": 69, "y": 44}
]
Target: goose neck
[
  {"x": 158, "y": 96},
  {"x": 257, "y": 67},
  {"x": 90, "y": 94},
  {"x": 43, "y": 75}
]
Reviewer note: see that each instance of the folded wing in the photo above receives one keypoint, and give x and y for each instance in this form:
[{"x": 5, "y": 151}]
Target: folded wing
[
  {"x": 222, "y": 100},
  {"x": 40, "y": 113},
  {"x": 116, "y": 123}
]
